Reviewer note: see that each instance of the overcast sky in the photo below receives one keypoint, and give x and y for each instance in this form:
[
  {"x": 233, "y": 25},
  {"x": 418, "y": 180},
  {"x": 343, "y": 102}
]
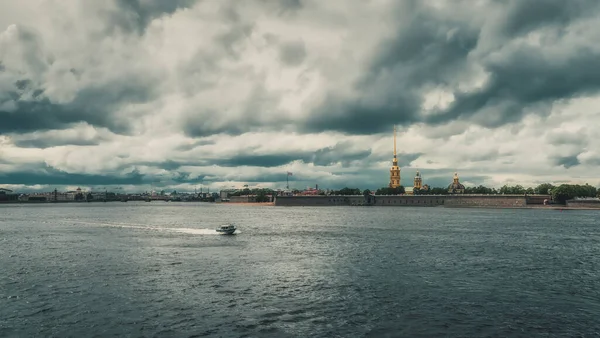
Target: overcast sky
[{"x": 182, "y": 93}]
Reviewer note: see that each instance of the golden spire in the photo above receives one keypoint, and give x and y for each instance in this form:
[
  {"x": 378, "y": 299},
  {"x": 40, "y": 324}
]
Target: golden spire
[
  {"x": 394, "y": 170},
  {"x": 394, "y": 141}
]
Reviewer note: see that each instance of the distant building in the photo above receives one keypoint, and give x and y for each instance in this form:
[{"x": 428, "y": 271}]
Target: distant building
[
  {"x": 309, "y": 192},
  {"x": 225, "y": 194},
  {"x": 456, "y": 187},
  {"x": 7, "y": 195},
  {"x": 418, "y": 182}
]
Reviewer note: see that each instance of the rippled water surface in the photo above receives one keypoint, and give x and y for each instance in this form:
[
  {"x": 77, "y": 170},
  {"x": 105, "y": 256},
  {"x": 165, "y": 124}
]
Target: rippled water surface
[{"x": 160, "y": 269}]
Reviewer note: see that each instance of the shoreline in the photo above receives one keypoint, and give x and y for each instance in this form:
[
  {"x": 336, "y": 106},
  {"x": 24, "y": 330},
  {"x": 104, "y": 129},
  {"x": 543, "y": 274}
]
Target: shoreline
[{"x": 270, "y": 204}]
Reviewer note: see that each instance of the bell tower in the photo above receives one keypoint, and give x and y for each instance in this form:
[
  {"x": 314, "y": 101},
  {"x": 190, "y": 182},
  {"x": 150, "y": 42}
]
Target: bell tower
[
  {"x": 394, "y": 170},
  {"x": 418, "y": 181}
]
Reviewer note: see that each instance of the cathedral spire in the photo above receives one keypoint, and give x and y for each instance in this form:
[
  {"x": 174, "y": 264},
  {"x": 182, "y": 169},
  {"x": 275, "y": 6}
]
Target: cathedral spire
[
  {"x": 394, "y": 141},
  {"x": 394, "y": 170}
]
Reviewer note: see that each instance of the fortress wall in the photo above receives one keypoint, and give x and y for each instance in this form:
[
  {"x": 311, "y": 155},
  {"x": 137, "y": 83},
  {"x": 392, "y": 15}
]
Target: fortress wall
[
  {"x": 583, "y": 204},
  {"x": 290, "y": 201},
  {"x": 409, "y": 201},
  {"x": 486, "y": 201},
  {"x": 537, "y": 199},
  {"x": 469, "y": 201},
  {"x": 423, "y": 201}
]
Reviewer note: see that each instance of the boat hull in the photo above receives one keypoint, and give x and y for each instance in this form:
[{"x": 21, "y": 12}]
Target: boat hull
[{"x": 226, "y": 232}]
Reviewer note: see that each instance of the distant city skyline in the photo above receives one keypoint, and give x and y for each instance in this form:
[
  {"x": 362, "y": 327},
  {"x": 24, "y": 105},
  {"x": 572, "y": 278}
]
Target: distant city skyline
[{"x": 175, "y": 95}]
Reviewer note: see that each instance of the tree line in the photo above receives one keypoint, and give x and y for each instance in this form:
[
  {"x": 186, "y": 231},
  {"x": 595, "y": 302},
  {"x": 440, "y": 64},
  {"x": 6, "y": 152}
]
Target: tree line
[{"x": 261, "y": 194}]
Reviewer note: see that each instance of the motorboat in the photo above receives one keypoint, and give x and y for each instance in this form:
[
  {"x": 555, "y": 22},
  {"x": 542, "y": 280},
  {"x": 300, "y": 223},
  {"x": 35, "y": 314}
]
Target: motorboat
[{"x": 227, "y": 229}]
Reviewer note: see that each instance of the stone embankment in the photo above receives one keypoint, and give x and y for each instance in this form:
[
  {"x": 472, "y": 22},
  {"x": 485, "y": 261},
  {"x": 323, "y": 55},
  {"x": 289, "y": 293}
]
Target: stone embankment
[{"x": 457, "y": 201}]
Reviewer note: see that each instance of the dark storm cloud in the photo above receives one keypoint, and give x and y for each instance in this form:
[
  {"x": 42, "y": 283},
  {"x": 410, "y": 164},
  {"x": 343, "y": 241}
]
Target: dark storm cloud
[
  {"x": 135, "y": 15},
  {"x": 50, "y": 176},
  {"x": 523, "y": 77},
  {"x": 42, "y": 143},
  {"x": 422, "y": 53},
  {"x": 523, "y": 16},
  {"x": 195, "y": 144},
  {"x": 96, "y": 106},
  {"x": 566, "y": 161},
  {"x": 434, "y": 48},
  {"x": 342, "y": 152},
  {"x": 358, "y": 117},
  {"x": 28, "y": 108}
]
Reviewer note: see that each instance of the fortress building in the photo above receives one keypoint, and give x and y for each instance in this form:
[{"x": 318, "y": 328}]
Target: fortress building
[
  {"x": 418, "y": 183},
  {"x": 418, "y": 186},
  {"x": 456, "y": 187},
  {"x": 394, "y": 170}
]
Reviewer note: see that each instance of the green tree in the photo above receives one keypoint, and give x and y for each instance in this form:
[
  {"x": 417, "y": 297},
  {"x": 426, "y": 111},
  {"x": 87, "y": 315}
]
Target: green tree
[
  {"x": 563, "y": 192},
  {"x": 347, "y": 191},
  {"x": 435, "y": 191},
  {"x": 390, "y": 191},
  {"x": 543, "y": 189},
  {"x": 512, "y": 190},
  {"x": 366, "y": 192}
]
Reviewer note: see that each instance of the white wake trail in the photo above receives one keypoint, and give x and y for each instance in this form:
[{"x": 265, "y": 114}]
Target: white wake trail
[{"x": 191, "y": 231}]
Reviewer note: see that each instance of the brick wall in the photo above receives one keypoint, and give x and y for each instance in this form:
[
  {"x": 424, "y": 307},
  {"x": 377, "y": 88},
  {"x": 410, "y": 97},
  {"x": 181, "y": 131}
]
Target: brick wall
[
  {"x": 423, "y": 201},
  {"x": 483, "y": 201},
  {"x": 410, "y": 201},
  {"x": 486, "y": 201}
]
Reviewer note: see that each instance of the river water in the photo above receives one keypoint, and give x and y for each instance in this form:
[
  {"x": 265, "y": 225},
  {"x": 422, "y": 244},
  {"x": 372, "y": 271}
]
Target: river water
[{"x": 160, "y": 270}]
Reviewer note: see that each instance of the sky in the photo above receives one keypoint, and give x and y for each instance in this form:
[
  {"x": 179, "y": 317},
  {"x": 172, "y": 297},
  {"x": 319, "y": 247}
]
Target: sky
[{"x": 183, "y": 94}]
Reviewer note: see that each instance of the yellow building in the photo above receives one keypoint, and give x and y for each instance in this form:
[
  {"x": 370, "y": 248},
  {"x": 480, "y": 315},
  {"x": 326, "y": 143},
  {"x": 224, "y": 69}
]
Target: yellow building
[{"x": 394, "y": 170}]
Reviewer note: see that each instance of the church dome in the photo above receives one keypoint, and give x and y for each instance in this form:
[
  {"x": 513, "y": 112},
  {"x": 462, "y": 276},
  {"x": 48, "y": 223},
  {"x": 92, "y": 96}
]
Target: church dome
[{"x": 456, "y": 185}]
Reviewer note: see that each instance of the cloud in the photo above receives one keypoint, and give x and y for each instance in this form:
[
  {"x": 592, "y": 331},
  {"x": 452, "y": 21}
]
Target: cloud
[
  {"x": 52, "y": 177},
  {"x": 149, "y": 93},
  {"x": 136, "y": 15},
  {"x": 567, "y": 161},
  {"x": 292, "y": 53}
]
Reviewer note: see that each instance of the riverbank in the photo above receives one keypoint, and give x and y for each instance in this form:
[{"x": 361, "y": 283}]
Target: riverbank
[{"x": 263, "y": 204}]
